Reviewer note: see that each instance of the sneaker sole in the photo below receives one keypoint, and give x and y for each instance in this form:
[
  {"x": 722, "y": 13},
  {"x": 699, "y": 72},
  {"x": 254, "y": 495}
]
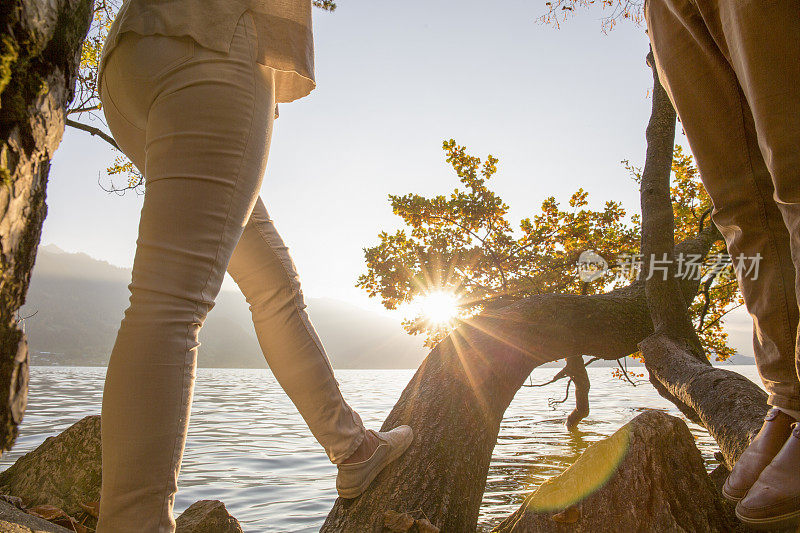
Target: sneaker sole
[{"x": 359, "y": 490}]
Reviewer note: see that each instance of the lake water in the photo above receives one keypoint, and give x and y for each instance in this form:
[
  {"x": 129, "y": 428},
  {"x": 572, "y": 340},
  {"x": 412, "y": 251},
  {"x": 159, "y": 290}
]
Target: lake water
[{"x": 248, "y": 447}]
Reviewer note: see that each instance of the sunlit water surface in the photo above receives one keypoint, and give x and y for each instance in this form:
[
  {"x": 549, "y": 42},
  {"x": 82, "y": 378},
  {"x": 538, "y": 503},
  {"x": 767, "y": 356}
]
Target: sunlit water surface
[{"x": 248, "y": 447}]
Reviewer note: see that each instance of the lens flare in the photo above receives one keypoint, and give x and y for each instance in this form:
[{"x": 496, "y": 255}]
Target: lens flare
[
  {"x": 438, "y": 307},
  {"x": 589, "y": 473}
]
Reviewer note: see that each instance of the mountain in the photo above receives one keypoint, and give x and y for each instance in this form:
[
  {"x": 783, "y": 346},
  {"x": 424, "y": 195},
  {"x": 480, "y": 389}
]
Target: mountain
[
  {"x": 75, "y": 304},
  {"x": 737, "y": 359}
]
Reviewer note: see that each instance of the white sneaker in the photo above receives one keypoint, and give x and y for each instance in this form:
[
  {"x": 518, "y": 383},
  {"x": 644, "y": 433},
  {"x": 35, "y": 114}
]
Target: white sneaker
[{"x": 354, "y": 478}]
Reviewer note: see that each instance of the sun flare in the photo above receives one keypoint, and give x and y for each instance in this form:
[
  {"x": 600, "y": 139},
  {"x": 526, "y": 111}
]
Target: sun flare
[{"x": 438, "y": 307}]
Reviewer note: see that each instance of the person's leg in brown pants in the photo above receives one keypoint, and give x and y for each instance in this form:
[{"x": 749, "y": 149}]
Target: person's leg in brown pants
[{"x": 732, "y": 70}]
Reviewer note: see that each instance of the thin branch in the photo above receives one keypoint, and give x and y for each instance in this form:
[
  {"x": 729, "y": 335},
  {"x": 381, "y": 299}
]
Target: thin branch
[
  {"x": 545, "y": 237},
  {"x": 625, "y": 373},
  {"x": 83, "y": 109},
  {"x": 472, "y": 280},
  {"x": 722, "y": 315},
  {"x": 93, "y": 131},
  {"x": 592, "y": 360},
  {"x": 120, "y": 191},
  {"x": 551, "y": 403},
  {"x": 705, "y": 214},
  {"x": 560, "y": 375},
  {"x": 705, "y": 287},
  {"x": 20, "y": 318}
]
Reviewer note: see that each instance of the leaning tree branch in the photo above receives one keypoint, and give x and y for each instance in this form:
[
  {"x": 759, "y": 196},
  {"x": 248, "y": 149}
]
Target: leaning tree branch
[
  {"x": 577, "y": 372},
  {"x": 559, "y": 376},
  {"x": 552, "y": 402},
  {"x": 83, "y": 109},
  {"x": 456, "y": 400},
  {"x": 706, "y": 287}
]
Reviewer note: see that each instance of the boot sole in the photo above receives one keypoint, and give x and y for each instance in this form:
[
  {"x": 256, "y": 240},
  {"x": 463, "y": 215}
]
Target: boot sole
[
  {"x": 355, "y": 492},
  {"x": 732, "y": 499},
  {"x": 785, "y": 521}
]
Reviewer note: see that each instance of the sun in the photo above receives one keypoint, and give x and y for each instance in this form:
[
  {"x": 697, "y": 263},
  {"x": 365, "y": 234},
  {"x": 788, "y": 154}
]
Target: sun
[{"x": 439, "y": 307}]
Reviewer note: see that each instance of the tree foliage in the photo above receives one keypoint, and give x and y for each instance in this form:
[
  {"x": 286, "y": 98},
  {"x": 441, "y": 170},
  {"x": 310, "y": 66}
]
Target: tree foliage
[
  {"x": 463, "y": 244},
  {"x": 613, "y": 11}
]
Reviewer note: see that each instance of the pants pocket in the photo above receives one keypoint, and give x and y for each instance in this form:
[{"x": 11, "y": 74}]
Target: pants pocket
[{"x": 150, "y": 56}]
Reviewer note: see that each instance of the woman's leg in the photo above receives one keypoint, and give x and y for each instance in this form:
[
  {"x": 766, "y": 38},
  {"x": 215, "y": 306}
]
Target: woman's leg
[
  {"x": 264, "y": 270},
  {"x": 198, "y": 123}
]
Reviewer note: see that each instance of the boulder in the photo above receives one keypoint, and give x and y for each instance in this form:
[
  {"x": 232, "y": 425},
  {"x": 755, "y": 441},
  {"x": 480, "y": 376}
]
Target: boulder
[
  {"x": 207, "y": 516},
  {"x": 64, "y": 471},
  {"x": 649, "y": 477},
  {"x": 13, "y": 520}
]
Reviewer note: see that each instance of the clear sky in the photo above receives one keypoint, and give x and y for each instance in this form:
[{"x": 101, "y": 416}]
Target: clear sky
[{"x": 559, "y": 107}]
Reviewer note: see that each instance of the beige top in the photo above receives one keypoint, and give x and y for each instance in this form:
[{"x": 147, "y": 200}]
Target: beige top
[{"x": 285, "y": 41}]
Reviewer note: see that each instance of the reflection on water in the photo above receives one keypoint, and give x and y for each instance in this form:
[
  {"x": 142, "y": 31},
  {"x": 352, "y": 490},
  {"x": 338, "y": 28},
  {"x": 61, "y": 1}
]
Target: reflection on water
[{"x": 248, "y": 446}]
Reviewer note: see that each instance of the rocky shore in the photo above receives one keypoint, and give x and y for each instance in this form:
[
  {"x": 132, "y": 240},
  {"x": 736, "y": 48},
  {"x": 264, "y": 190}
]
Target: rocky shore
[{"x": 56, "y": 488}]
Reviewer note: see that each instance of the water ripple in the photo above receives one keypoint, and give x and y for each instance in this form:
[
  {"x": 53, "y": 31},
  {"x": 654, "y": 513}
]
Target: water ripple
[{"x": 249, "y": 447}]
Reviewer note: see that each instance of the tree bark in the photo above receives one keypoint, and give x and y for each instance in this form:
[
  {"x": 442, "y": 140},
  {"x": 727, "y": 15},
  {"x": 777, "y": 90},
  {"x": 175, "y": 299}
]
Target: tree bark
[
  {"x": 664, "y": 298},
  {"x": 40, "y": 46},
  {"x": 729, "y": 405},
  {"x": 648, "y": 477}
]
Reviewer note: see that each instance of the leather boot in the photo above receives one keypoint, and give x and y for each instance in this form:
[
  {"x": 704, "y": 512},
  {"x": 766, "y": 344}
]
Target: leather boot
[
  {"x": 765, "y": 446},
  {"x": 773, "y": 502}
]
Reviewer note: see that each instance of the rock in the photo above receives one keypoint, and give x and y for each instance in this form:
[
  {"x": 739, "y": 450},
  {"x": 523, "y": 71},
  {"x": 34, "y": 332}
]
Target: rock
[
  {"x": 13, "y": 520},
  {"x": 64, "y": 471},
  {"x": 207, "y": 516},
  {"x": 647, "y": 477}
]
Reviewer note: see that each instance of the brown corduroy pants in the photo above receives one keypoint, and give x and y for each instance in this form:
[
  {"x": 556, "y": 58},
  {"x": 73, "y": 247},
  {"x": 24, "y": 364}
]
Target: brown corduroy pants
[{"x": 732, "y": 71}]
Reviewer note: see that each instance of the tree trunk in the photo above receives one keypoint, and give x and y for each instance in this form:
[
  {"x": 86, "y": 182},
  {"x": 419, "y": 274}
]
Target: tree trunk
[
  {"x": 576, "y": 371},
  {"x": 664, "y": 298},
  {"x": 456, "y": 400},
  {"x": 39, "y": 55},
  {"x": 648, "y": 477},
  {"x": 728, "y": 405}
]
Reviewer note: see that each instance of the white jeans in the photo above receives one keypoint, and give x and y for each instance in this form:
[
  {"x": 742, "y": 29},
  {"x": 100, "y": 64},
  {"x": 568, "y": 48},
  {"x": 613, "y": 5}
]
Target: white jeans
[{"x": 197, "y": 123}]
